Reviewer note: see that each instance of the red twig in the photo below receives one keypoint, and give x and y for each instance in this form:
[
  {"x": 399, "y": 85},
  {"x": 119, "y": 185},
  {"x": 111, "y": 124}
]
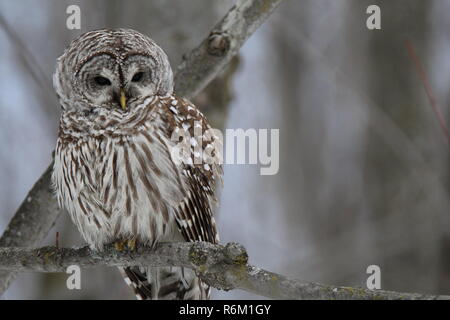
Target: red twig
[
  {"x": 57, "y": 240},
  {"x": 426, "y": 84}
]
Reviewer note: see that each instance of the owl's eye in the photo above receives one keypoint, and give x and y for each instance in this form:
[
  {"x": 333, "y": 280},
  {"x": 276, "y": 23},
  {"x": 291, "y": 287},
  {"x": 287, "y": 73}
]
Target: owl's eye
[
  {"x": 102, "y": 81},
  {"x": 137, "y": 77}
]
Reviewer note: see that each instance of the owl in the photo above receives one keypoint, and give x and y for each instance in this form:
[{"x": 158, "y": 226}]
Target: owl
[{"x": 115, "y": 171}]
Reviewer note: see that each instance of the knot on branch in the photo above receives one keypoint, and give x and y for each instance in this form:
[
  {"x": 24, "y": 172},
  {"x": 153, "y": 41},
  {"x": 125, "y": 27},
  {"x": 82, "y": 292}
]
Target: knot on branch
[
  {"x": 218, "y": 44},
  {"x": 219, "y": 266},
  {"x": 236, "y": 253}
]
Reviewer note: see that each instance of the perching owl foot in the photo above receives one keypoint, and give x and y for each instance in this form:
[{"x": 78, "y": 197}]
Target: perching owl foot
[
  {"x": 119, "y": 245},
  {"x": 129, "y": 244}
]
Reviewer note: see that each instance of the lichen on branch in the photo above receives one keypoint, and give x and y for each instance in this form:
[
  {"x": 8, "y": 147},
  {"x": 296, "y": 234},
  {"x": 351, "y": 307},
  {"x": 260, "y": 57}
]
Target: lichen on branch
[{"x": 222, "y": 267}]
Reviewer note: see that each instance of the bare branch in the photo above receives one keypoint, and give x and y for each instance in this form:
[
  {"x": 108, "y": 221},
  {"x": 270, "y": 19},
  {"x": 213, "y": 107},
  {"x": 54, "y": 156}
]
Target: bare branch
[
  {"x": 39, "y": 211},
  {"x": 222, "y": 267},
  {"x": 31, "y": 223},
  {"x": 202, "y": 64}
]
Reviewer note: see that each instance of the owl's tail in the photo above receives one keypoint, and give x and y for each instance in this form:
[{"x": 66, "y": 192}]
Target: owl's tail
[{"x": 168, "y": 283}]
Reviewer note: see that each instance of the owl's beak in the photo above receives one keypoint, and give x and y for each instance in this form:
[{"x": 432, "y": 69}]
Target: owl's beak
[{"x": 123, "y": 100}]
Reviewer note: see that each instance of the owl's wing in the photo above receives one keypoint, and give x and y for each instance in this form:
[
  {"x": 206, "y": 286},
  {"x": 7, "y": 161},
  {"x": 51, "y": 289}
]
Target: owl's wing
[
  {"x": 201, "y": 169},
  {"x": 193, "y": 216}
]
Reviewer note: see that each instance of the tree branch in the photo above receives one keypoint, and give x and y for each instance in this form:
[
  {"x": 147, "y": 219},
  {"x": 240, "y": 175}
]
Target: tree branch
[
  {"x": 39, "y": 211},
  {"x": 203, "y": 63},
  {"x": 222, "y": 267},
  {"x": 31, "y": 223}
]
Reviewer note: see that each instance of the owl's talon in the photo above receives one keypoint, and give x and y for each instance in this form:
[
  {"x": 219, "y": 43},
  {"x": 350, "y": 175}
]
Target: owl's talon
[
  {"x": 131, "y": 244},
  {"x": 119, "y": 245}
]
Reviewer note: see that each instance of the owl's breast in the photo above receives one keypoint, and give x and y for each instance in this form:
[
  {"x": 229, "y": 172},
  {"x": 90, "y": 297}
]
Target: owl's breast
[{"x": 120, "y": 186}]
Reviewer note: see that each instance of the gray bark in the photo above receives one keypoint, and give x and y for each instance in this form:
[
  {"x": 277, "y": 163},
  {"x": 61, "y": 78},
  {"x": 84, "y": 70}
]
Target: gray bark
[
  {"x": 222, "y": 267},
  {"x": 202, "y": 64},
  {"x": 31, "y": 223}
]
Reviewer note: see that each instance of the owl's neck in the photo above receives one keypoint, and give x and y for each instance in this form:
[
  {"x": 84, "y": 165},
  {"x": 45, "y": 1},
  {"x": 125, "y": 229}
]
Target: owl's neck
[{"x": 102, "y": 121}]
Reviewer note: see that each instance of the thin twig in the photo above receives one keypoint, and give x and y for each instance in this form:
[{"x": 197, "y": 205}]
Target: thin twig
[{"x": 423, "y": 77}]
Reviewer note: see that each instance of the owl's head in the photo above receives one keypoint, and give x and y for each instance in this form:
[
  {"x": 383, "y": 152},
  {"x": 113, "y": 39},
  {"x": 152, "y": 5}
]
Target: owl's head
[{"x": 112, "y": 69}]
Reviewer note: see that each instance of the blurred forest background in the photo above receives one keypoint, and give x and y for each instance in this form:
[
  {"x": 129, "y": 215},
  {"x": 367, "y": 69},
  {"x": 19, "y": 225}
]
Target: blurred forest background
[{"x": 364, "y": 167}]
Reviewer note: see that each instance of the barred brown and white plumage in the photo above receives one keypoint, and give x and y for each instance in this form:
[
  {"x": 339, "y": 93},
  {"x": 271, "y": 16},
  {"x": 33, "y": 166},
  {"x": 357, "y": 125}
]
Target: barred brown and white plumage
[{"x": 114, "y": 169}]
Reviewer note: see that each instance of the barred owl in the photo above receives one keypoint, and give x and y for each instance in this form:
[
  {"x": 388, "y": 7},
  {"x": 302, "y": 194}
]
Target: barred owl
[{"x": 114, "y": 171}]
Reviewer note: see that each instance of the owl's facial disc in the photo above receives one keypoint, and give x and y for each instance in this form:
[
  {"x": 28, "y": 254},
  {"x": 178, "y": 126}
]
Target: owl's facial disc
[
  {"x": 109, "y": 83},
  {"x": 138, "y": 77},
  {"x": 99, "y": 81}
]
